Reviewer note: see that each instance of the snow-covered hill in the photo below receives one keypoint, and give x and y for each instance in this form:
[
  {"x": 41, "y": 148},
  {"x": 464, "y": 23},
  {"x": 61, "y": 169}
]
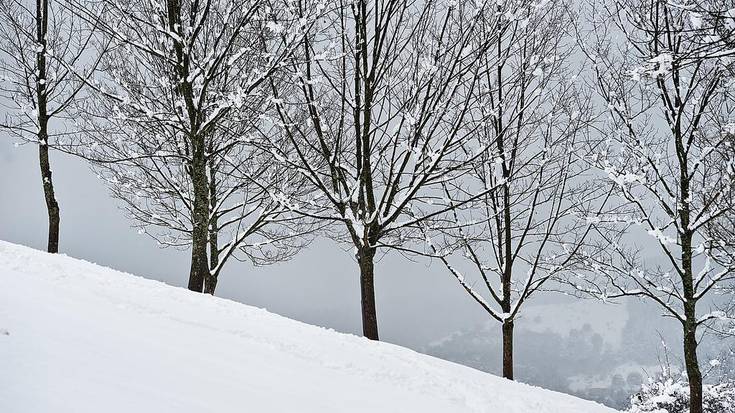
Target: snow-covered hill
[{"x": 77, "y": 337}]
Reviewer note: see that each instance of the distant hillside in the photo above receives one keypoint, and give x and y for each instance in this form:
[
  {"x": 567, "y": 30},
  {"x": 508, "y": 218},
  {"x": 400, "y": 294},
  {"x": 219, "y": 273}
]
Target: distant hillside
[{"x": 580, "y": 348}]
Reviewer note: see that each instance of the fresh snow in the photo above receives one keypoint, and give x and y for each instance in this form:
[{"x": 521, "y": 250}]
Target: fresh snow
[{"x": 77, "y": 337}]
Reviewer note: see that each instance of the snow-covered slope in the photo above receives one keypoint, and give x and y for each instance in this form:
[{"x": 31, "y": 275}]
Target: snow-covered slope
[{"x": 77, "y": 337}]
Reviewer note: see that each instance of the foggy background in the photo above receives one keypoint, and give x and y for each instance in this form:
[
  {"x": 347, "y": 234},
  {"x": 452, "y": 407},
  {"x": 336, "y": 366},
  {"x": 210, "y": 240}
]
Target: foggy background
[{"x": 597, "y": 351}]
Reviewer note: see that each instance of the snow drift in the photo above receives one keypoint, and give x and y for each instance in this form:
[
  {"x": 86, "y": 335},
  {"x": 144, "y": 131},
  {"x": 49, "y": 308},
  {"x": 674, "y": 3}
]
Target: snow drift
[{"x": 77, "y": 337}]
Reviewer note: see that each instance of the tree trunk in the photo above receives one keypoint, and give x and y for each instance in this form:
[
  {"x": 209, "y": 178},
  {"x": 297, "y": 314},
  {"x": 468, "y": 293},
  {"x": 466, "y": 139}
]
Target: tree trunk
[
  {"x": 508, "y": 349},
  {"x": 366, "y": 258},
  {"x": 200, "y": 217},
  {"x": 210, "y": 281},
  {"x": 507, "y": 278},
  {"x": 199, "y": 266},
  {"x": 691, "y": 362},
  {"x": 198, "y": 165},
  {"x": 52, "y": 207}
]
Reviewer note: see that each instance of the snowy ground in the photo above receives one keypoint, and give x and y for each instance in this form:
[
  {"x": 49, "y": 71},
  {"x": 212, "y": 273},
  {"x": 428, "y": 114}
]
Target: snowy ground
[{"x": 77, "y": 337}]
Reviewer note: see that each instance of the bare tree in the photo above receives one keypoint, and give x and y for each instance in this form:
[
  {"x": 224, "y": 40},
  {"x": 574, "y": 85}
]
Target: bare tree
[
  {"x": 715, "y": 22},
  {"x": 39, "y": 42},
  {"x": 177, "y": 98},
  {"x": 663, "y": 149},
  {"x": 373, "y": 120},
  {"x": 531, "y": 118}
]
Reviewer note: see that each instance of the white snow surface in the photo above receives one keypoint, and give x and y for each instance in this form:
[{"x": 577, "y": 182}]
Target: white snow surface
[{"x": 78, "y": 337}]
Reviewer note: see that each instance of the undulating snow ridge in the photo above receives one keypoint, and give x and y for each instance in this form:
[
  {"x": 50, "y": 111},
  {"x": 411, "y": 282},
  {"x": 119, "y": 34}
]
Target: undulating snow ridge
[{"x": 77, "y": 337}]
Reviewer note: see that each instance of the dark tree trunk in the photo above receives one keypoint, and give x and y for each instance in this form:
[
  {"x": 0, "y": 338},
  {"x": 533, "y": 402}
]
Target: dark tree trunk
[
  {"x": 508, "y": 349},
  {"x": 210, "y": 281},
  {"x": 200, "y": 217},
  {"x": 198, "y": 165},
  {"x": 691, "y": 362},
  {"x": 52, "y": 206},
  {"x": 366, "y": 258},
  {"x": 694, "y": 374},
  {"x": 507, "y": 263}
]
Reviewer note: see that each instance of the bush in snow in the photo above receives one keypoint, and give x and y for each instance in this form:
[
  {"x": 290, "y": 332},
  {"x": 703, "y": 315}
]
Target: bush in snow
[{"x": 671, "y": 395}]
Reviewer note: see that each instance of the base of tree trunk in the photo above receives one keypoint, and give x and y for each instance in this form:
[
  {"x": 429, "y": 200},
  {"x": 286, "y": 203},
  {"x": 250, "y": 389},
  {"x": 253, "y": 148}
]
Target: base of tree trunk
[
  {"x": 210, "y": 284},
  {"x": 52, "y": 206},
  {"x": 367, "y": 292},
  {"x": 694, "y": 374},
  {"x": 508, "y": 349},
  {"x": 197, "y": 274},
  {"x": 53, "y": 230}
]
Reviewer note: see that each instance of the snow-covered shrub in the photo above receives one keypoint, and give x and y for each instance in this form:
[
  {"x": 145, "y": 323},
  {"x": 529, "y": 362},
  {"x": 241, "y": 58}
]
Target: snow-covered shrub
[{"x": 671, "y": 395}]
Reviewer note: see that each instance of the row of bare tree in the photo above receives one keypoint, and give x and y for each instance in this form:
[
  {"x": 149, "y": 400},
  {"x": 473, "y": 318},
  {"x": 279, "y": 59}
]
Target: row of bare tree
[{"x": 525, "y": 145}]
